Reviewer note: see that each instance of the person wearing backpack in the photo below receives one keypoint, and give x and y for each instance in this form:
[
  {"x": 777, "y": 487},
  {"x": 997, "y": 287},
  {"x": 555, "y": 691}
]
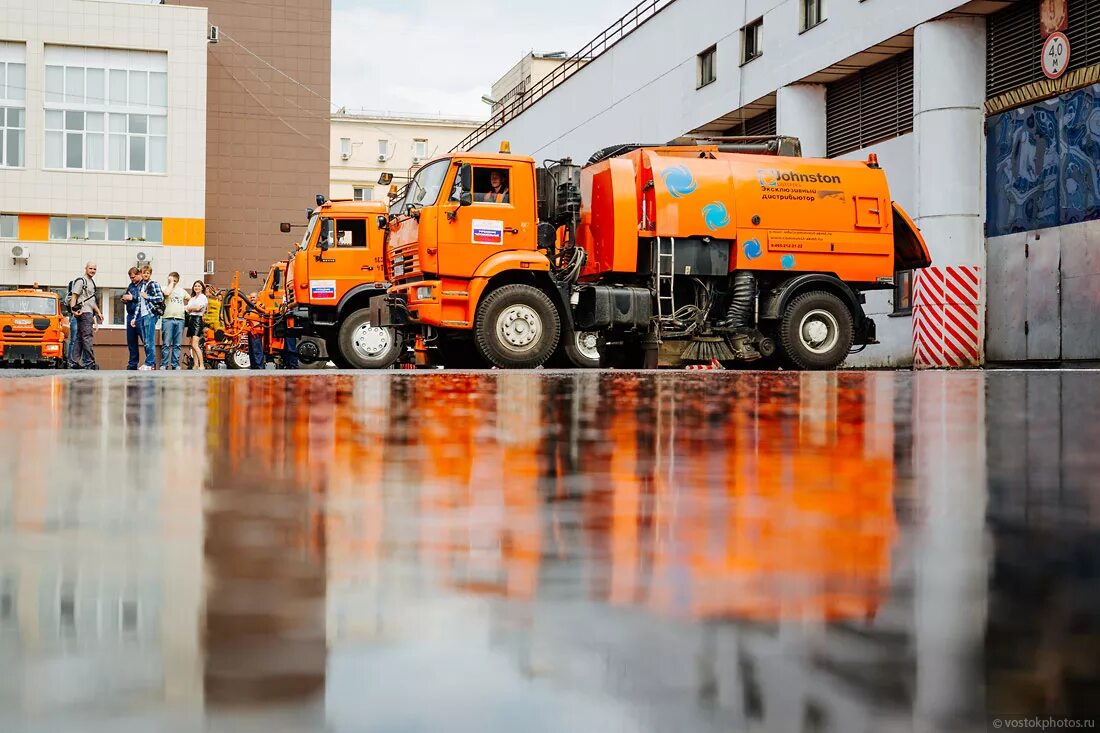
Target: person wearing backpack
[
  {"x": 150, "y": 309},
  {"x": 83, "y": 307}
]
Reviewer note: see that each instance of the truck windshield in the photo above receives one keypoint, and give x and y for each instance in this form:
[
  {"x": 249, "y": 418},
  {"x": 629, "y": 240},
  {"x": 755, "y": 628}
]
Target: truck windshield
[
  {"x": 424, "y": 188},
  {"x": 309, "y": 232},
  {"x": 31, "y": 305}
]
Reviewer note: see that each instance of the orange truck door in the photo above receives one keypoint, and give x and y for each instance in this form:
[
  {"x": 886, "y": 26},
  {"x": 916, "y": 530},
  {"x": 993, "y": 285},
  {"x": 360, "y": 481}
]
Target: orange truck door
[
  {"x": 493, "y": 221},
  {"x": 349, "y": 261}
]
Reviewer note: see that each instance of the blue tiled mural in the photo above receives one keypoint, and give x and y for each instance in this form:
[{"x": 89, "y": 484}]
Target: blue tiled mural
[{"x": 1043, "y": 163}]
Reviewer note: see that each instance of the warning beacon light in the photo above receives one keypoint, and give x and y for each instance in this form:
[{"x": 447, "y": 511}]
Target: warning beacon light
[{"x": 505, "y": 147}]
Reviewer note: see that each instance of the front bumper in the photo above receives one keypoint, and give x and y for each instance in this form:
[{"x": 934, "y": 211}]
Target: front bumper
[{"x": 30, "y": 354}]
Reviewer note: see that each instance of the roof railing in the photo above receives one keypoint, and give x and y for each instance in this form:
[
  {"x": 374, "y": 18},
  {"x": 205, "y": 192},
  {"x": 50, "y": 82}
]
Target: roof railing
[{"x": 595, "y": 48}]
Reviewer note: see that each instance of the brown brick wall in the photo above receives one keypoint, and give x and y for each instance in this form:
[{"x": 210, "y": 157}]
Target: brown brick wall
[{"x": 267, "y": 138}]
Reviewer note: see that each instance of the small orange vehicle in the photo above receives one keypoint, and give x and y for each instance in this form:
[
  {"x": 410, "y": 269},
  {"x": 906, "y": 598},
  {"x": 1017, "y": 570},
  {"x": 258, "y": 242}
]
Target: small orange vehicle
[
  {"x": 338, "y": 266},
  {"x": 32, "y": 328},
  {"x": 667, "y": 254}
]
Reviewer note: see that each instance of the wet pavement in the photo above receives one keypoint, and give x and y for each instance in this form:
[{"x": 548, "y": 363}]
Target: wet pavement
[{"x": 548, "y": 551}]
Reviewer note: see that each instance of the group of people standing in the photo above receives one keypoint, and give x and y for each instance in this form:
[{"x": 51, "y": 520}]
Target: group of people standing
[{"x": 180, "y": 312}]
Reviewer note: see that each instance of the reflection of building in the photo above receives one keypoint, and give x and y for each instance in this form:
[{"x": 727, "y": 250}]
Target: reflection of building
[
  {"x": 984, "y": 150},
  {"x": 100, "y": 561},
  {"x": 364, "y": 145}
]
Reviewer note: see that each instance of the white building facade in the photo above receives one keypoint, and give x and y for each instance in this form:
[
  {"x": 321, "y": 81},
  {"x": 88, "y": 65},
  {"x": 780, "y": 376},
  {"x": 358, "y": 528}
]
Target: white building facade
[
  {"x": 104, "y": 149},
  {"x": 911, "y": 82},
  {"x": 365, "y": 145}
]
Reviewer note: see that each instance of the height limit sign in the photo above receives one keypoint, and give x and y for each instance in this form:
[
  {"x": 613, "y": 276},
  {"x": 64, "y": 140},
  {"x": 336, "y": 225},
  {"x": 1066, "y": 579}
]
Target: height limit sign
[{"x": 1055, "y": 57}]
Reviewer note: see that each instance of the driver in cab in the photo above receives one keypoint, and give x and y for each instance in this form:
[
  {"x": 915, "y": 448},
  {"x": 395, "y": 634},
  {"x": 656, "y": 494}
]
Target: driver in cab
[{"x": 498, "y": 188}]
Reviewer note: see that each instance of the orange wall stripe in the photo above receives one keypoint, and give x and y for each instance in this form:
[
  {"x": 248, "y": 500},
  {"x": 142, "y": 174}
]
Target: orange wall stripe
[
  {"x": 184, "y": 232},
  {"x": 34, "y": 227}
]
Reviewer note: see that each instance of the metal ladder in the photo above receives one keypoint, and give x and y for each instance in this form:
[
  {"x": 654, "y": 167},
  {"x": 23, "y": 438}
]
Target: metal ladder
[{"x": 666, "y": 268}]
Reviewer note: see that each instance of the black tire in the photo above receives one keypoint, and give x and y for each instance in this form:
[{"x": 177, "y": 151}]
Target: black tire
[
  {"x": 580, "y": 349},
  {"x": 332, "y": 348},
  {"x": 827, "y": 346},
  {"x": 230, "y": 362},
  {"x": 517, "y": 327},
  {"x": 364, "y": 347}
]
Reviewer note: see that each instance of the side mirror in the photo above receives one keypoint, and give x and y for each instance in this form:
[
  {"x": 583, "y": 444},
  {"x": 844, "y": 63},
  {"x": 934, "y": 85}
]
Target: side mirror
[
  {"x": 465, "y": 199},
  {"x": 325, "y": 240},
  {"x": 284, "y": 227},
  {"x": 381, "y": 222}
]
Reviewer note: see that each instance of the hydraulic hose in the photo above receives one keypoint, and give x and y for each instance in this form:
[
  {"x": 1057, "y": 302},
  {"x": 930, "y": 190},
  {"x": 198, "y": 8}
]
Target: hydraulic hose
[{"x": 739, "y": 314}]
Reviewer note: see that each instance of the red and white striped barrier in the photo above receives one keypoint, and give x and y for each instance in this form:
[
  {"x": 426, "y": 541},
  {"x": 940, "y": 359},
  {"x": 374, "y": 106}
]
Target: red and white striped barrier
[
  {"x": 946, "y": 319},
  {"x": 714, "y": 364}
]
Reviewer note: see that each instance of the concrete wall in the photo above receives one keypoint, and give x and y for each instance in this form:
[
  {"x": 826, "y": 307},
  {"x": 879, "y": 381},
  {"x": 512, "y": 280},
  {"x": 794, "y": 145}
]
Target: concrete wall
[
  {"x": 267, "y": 138},
  {"x": 644, "y": 89}
]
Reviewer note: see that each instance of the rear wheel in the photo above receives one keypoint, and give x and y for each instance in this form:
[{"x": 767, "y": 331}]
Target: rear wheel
[
  {"x": 517, "y": 327},
  {"x": 581, "y": 349},
  {"x": 364, "y": 346},
  {"x": 816, "y": 330}
]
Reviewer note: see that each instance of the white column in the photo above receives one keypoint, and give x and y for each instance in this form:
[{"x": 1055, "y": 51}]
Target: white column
[
  {"x": 948, "y": 99},
  {"x": 800, "y": 112}
]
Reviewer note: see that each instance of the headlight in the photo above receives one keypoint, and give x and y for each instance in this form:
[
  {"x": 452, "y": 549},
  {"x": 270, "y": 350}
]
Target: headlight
[
  {"x": 424, "y": 292},
  {"x": 52, "y": 347}
]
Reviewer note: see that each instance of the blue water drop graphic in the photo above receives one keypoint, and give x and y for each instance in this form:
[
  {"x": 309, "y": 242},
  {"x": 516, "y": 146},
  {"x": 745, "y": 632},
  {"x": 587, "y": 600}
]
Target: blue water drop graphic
[
  {"x": 787, "y": 262},
  {"x": 752, "y": 249},
  {"x": 679, "y": 181}
]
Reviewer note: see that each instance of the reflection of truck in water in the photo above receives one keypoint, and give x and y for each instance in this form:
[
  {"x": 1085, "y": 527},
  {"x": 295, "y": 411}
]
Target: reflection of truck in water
[
  {"x": 653, "y": 255},
  {"x": 32, "y": 329}
]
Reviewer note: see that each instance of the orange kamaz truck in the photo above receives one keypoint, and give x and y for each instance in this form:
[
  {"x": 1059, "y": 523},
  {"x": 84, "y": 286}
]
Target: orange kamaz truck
[
  {"x": 32, "y": 329},
  {"x": 661, "y": 255},
  {"x": 338, "y": 266}
]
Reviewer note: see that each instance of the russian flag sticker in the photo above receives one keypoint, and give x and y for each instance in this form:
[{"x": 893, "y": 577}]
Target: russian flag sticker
[
  {"x": 322, "y": 289},
  {"x": 488, "y": 231}
]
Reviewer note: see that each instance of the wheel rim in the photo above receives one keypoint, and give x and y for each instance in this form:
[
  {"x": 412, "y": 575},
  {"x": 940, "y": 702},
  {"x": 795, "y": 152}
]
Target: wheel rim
[
  {"x": 241, "y": 360},
  {"x": 586, "y": 344},
  {"x": 819, "y": 331},
  {"x": 519, "y": 326},
  {"x": 370, "y": 342}
]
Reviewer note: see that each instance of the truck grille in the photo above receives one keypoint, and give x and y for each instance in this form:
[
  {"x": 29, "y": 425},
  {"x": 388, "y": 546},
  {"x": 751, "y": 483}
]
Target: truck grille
[{"x": 405, "y": 262}]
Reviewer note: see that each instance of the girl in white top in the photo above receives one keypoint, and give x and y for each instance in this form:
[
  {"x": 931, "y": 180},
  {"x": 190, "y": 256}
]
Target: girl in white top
[{"x": 195, "y": 309}]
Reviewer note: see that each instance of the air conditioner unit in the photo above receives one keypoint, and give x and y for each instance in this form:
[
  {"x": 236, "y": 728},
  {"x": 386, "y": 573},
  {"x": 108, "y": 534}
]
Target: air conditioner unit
[
  {"x": 381, "y": 158},
  {"x": 345, "y": 156},
  {"x": 143, "y": 258},
  {"x": 415, "y": 160},
  {"x": 20, "y": 253},
  {"x": 209, "y": 268},
  {"x": 213, "y": 37}
]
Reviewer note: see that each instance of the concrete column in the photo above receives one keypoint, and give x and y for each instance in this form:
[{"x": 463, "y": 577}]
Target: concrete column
[
  {"x": 800, "y": 111},
  {"x": 949, "y": 94}
]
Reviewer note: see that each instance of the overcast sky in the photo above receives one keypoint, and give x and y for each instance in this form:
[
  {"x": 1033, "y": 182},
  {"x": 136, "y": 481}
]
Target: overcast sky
[{"x": 442, "y": 55}]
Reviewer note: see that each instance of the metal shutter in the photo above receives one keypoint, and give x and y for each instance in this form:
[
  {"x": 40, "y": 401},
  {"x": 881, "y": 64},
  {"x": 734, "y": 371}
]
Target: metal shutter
[
  {"x": 870, "y": 106},
  {"x": 761, "y": 124},
  {"x": 1083, "y": 33},
  {"x": 1013, "y": 46}
]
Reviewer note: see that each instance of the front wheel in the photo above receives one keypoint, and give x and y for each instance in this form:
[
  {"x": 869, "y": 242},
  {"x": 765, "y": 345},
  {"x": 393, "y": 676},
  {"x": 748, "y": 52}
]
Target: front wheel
[
  {"x": 816, "y": 330},
  {"x": 237, "y": 358},
  {"x": 517, "y": 327},
  {"x": 364, "y": 346}
]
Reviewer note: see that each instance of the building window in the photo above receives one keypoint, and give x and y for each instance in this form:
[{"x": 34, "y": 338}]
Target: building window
[
  {"x": 869, "y": 106},
  {"x": 9, "y": 226},
  {"x": 812, "y": 13},
  {"x": 903, "y": 292},
  {"x": 101, "y": 117},
  {"x": 99, "y": 229},
  {"x": 13, "y": 92},
  {"x": 750, "y": 40},
  {"x": 383, "y": 149},
  {"x": 420, "y": 149},
  {"x": 364, "y": 193},
  {"x": 707, "y": 70},
  {"x": 345, "y": 147}
]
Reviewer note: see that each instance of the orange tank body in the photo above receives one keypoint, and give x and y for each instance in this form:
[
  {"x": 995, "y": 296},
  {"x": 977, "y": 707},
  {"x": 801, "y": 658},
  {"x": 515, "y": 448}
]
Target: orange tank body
[{"x": 774, "y": 213}]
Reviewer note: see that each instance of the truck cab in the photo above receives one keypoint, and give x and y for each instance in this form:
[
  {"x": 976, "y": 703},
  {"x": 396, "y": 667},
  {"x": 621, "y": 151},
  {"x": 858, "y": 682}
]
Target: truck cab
[
  {"x": 465, "y": 226},
  {"x": 339, "y": 263},
  {"x": 32, "y": 328}
]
